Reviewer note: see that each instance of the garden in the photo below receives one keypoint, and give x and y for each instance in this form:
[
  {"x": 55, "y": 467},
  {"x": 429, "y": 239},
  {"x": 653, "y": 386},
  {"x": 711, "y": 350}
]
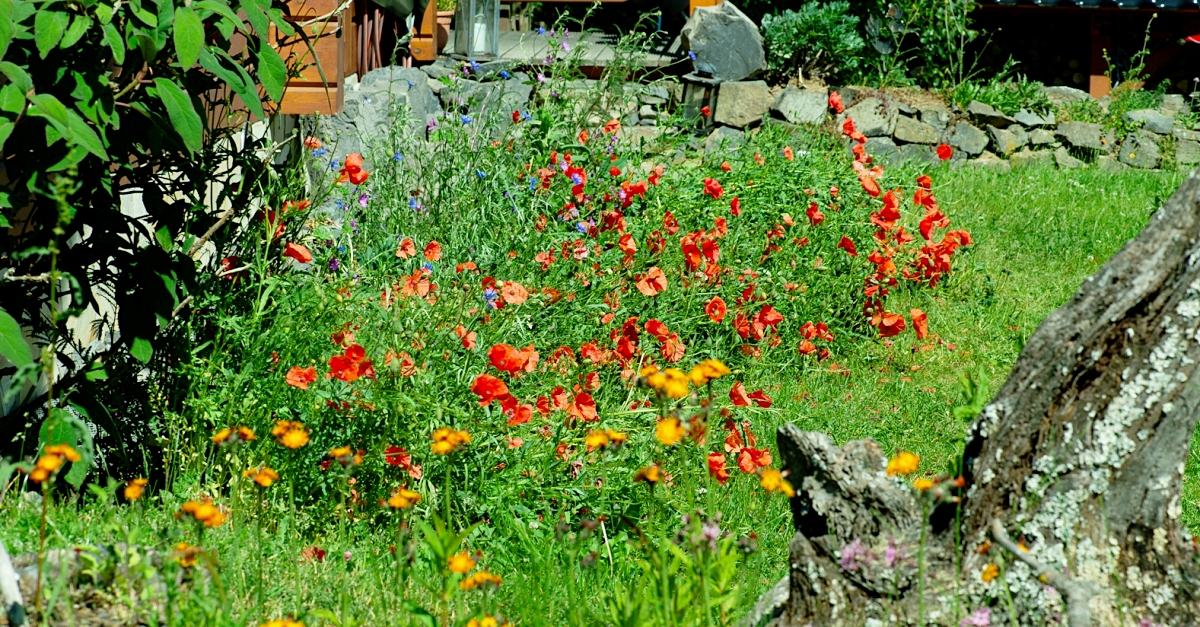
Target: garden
[{"x": 518, "y": 363}]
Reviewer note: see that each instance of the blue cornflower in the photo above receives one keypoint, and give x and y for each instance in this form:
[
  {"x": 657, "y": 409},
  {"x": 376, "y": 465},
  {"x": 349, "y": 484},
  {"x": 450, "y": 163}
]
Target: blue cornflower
[
  {"x": 691, "y": 55},
  {"x": 333, "y": 165},
  {"x": 490, "y": 296},
  {"x": 474, "y": 65},
  {"x": 339, "y": 204},
  {"x": 505, "y": 74},
  {"x": 428, "y": 266},
  {"x": 582, "y": 227},
  {"x": 319, "y": 152},
  {"x": 398, "y": 156},
  {"x": 541, "y": 30},
  {"x": 578, "y": 180},
  {"x": 410, "y": 83},
  {"x": 525, "y": 116},
  {"x": 412, "y": 202},
  {"x": 341, "y": 249},
  {"x": 532, "y": 182},
  {"x": 466, "y": 119},
  {"x": 481, "y": 174}
]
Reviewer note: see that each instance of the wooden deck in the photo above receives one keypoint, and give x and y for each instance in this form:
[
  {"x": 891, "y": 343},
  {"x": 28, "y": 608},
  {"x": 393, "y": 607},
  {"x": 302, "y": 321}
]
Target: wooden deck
[{"x": 530, "y": 48}]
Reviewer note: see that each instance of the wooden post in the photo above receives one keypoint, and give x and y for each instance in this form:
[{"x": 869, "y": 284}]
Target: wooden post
[
  {"x": 323, "y": 67},
  {"x": 692, "y": 4},
  {"x": 424, "y": 40},
  {"x": 1098, "y": 83}
]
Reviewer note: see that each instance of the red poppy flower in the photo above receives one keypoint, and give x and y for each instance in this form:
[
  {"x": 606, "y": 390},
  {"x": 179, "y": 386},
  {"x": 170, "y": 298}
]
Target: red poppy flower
[
  {"x": 807, "y": 347},
  {"x": 407, "y": 249},
  {"x": 751, "y": 460},
  {"x": 298, "y": 252},
  {"x": 583, "y": 136},
  {"x": 716, "y": 467},
  {"x": 397, "y": 456},
  {"x": 889, "y": 324},
  {"x": 768, "y": 316},
  {"x": 516, "y": 115},
  {"x": 614, "y": 171},
  {"x": 583, "y": 408},
  {"x": 944, "y": 152},
  {"x": 488, "y": 389},
  {"x": 672, "y": 348},
  {"x": 715, "y": 309},
  {"x": 920, "y": 323},
  {"x": 657, "y": 329},
  {"x": 465, "y": 266},
  {"x": 228, "y": 265},
  {"x": 612, "y": 126},
  {"x": 653, "y": 282},
  {"x": 298, "y": 377},
  {"x": 760, "y": 398},
  {"x": 735, "y": 206},
  {"x": 788, "y": 154},
  {"x": 738, "y": 395},
  {"x": 520, "y": 415},
  {"x": 720, "y": 227},
  {"x": 869, "y": 186},
  {"x": 433, "y": 251},
  {"x": 655, "y": 175},
  {"x": 725, "y": 167},
  {"x": 925, "y": 181},
  {"x": 559, "y": 397},
  {"x": 627, "y": 245},
  {"x": 506, "y": 358},
  {"x": 835, "y": 102},
  {"x": 933, "y": 219},
  {"x": 705, "y": 111},
  {"x": 312, "y": 143},
  {"x": 543, "y": 406},
  {"x": 847, "y": 245},
  {"x": 670, "y": 224},
  {"x": 713, "y": 188},
  {"x": 352, "y": 170},
  {"x": 815, "y": 217},
  {"x": 467, "y": 337}
]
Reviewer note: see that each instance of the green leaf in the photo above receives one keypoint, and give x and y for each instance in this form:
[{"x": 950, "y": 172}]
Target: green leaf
[
  {"x": 236, "y": 78},
  {"x": 96, "y": 372},
  {"x": 6, "y": 25},
  {"x": 64, "y": 427},
  {"x": 104, "y": 13},
  {"x": 12, "y": 99},
  {"x": 256, "y": 17},
  {"x": 79, "y": 26},
  {"x": 146, "y": 45},
  {"x": 17, "y": 76},
  {"x": 272, "y": 72},
  {"x": 221, "y": 9},
  {"x": 423, "y": 617},
  {"x": 85, "y": 136},
  {"x": 182, "y": 114},
  {"x": 48, "y": 27},
  {"x": 163, "y": 235},
  {"x": 6, "y": 129},
  {"x": 141, "y": 349},
  {"x": 12, "y": 341},
  {"x": 115, "y": 43},
  {"x": 144, "y": 16},
  {"x": 47, "y": 106},
  {"x": 189, "y": 36}
]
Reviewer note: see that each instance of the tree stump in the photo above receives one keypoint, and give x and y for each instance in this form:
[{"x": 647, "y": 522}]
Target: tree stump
[{"x": 1080, "y": 454}]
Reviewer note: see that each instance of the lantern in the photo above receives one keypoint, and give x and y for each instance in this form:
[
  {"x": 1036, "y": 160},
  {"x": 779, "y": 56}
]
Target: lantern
[
  {"x": 477, "y": 29},
  {"x": 700, "y": 90}
]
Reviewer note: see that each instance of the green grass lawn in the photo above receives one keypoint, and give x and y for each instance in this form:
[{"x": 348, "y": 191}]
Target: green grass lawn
[{"x": 1038, "y": 234}]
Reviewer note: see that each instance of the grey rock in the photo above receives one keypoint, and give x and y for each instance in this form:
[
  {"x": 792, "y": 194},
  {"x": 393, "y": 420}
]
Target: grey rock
[
  {"x": 1031, "y": 158},
  {"x": 1172, "y": 105},
  {"x": 724, "y": 37},
  {"x": 647, "y": 112},
  {"x": 742, "y": 103},
  {"x": 1061, "y": 94},
  {"x": 648, "y": 122},
  {"x": 1005, "y": 141},
  {"x": 439, "y": 69},
  {"x": 1139, "y": 150},
  {"x": 985, "y": 114},
  {"x": 1040, "y": 137},
  {"x": 883, "y": 149},
  {"x": 800, "y": 106},
  {"x": 1184, "y": 134},
  {"x": 493, "y": 67},
  {"x": 1187, "y": 152},
  {"x": 656, "y": 95},
  {"x": 937, "y": 117},
  {"x": 920, "y": 153},
  {"x": 724, "y": 137},
  {"x": 1081, "y": 135},
  {"x": 989, "y": 161},
  {"x": 1031, "y": 119},
  {"x": 788, "y": 127},
  {"x": 905, "y": 109},
  {"x": 1151, "y": 120},
  {"x": 435, "y": 86},
  {"x": 1109, "y": 163},
  {"x": 771, "y": 605},
  {"x": 967, "y": 138},
  {"x": 1065, "y": 161},
  {"x": 914, "y": 131},
  {"x": 872, "y": 117}
]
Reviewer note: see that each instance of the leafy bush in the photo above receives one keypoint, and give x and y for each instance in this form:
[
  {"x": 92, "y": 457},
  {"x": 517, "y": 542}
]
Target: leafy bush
[
  {"x": 1007, "y": 95},
  {"x": 104, "y": 103},
  {"x": 818, "y": 40}
]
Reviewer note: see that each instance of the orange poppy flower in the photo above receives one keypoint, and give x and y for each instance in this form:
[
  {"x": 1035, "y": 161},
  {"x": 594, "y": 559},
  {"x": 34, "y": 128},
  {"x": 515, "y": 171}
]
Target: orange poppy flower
[
  {"x": 713, "y": 188},
  {"x": 716, "y": 309},
  {"x": 506, "y": 358},
  {"x": 627, "y": 245},
  {"x": 925, "y": 181},
  {"x": 725, "y": 167},
  {"x": 467, "y": 337},
  {"x": 612, "y": 126},
  {"x": 847, "y": 245},
  {"x": 407, "y": 249},
  {"x": 716, "y": 467},
  {"x": 433, "y": 251},
  {"x": 815, "y": 217},
  {"x": 520, "y": 415},
  {"x": 738, "y": 395},
  {"x": 513, "y": 293},
  {"x": 788, "y": 154},
  {"x": 889, "y": 324},
  {"x": 920, "y": 323},
  {"x": 488, "y": 388},
  {"x": 298, "y": 377},
  {"x": 298, "y": 252},
  {"x": 653, "y": 282},
  {"x": 583, "y": 408},
  {"x": 352, "y": 170},
  {"x": 673, "y": 348},
  {"x": 760, "y": 398},
  {"x": 835, "y": 102}
]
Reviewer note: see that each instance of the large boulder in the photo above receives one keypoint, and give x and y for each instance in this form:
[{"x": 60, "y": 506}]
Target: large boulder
[
  {"x": 913, "y": 131},
  {"x": 724, "y": 138},
  {"x": 936, "y": 116},
  {"x": 801, "y": 106},
  {"x": 1139, "y": 150},
  {"x": 742, "y": 103},
  {"x": 1066, "y": 161},
  {"x": 883, "y": 149},
  {"x": 1151, "y": 120},
  {"x": 725, "y": 38},
  {"x": 1031, "y": 119},
  {"x": 1007, "y": 141},
  {"x": 967, "y": 138},
  {"x": 873, "y": 117}
]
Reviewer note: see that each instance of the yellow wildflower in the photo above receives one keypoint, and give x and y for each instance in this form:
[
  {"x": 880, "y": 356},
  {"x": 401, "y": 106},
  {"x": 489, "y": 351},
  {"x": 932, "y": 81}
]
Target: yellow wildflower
[
  {"x": 445, "y": 440},
  {"x": 649, "y": 474},
  {"x": 290, "y": 434},
  {"x": 135, "y": 488},
  {"x": 903, "y": 464},
  {"x": 773, "y": 481},
  {"x": 596, "y": 439},
  {"x": 283, "y": 622},
  {"x": 990, "y": 572},
  {"x": 616, "y": 437},
  {"x": 676, "y": 384},
  {"x": 340, "y": 452},
  {"x": 706, "y": 371},
  {"x": 262, "y": 475},
  {"x": 460, "y": 563},
  {"x": 923, "y": 484},
  {"x": 186, "y": 554},
  {"x": 486, "y": 621},
  {"x": 478, "y": 579},
  {"x": 65, "y": 451},
  {"x": 669, "y": 431},
  {"x": 403, "y": 499}
]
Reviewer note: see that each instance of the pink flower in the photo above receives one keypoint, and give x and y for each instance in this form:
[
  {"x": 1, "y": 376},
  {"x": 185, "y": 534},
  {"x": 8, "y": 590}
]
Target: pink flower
[
  {"x": 981, "y": 618},
  {"x": 854, "y": 555}
]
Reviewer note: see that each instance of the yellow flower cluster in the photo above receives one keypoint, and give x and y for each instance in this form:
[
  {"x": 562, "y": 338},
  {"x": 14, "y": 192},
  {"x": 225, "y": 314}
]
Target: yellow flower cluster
[
  {"x": 460, "y": 563},
  {"x": 230, "y": 435},
  {"x": 283, "y": 622},
  {"x": 204, "y": 512},
  {"x": 134, "y": 489},
  {"x": 290, "y": 434},
  {"x": 445, "y": 440},
  {"x": 707, "y": 370},
  {"x": 773, "y": 481},
  {"x": 478, "y": 579},
  {"x": 52, "y": 460},
  {"x": 672, "y": 381},
  {"x": 403, "y": 499},
  {"x": 990, "y": 572},
  {"x": 262, "y": 475},
  {"x": 486, "y": 621},
  {"x": 600, "y": 438},
  {"x": 903, "y": 464},
  {"x": 923, "y": 484},
  {"x": 649, "y": 474},
  {"x": 346, "y": 456},
  {"x": 669, "y": 431},
  {"x": 185, "y": 554}
]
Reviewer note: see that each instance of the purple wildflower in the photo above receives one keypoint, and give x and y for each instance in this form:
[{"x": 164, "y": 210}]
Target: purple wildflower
[{"x": 854, "y": 555}]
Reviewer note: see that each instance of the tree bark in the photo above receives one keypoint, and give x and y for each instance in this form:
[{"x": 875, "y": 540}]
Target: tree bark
[{"x": 1080, "y": 455}]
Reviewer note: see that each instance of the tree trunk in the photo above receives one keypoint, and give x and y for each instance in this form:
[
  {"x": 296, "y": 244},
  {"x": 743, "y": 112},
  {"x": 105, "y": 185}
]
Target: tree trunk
[{"x": 1080, "y": 454}]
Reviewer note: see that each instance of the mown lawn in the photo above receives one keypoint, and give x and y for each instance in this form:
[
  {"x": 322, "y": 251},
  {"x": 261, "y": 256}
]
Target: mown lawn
[{"x": 1038, "y": 234}]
